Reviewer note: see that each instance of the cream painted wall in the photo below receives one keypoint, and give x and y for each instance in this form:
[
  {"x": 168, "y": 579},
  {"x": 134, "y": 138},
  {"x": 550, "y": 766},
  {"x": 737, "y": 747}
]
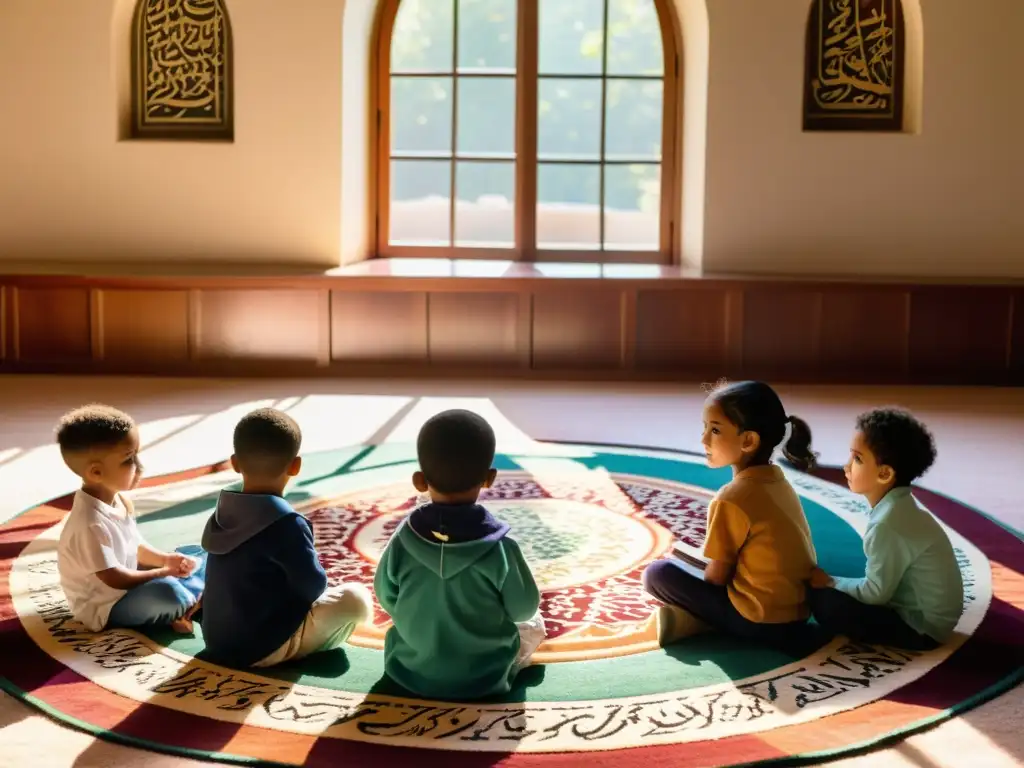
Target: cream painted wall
[
  {"x": 70, "y": 190},
  {"x": 945, "y": 202}
]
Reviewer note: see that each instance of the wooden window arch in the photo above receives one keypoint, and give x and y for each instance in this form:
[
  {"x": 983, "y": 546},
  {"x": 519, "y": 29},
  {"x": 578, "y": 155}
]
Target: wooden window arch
[
  {"x": 182, "y": 70},
  {"x": 854, "y": 79},
  {"x": 540, "y": 130}
]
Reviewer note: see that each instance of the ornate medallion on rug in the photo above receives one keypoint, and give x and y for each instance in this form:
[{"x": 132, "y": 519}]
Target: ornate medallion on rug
[{"x": 589, "y": 519}]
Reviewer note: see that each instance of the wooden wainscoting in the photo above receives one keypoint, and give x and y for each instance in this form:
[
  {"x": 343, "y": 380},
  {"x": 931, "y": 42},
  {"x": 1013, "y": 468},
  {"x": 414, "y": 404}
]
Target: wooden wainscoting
[{"x": 659, "y": 327}]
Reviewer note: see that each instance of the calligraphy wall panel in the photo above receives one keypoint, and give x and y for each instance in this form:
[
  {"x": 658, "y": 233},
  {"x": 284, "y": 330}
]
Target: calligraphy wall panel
[
  {"x": 854, "y": 78},
  {"x": 145, "y": 326},
  {"x": 182, "y": 70}
]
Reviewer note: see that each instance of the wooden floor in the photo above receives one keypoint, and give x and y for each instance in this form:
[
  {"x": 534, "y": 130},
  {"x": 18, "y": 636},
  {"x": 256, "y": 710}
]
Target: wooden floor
[{"x": 188, "y": 422}]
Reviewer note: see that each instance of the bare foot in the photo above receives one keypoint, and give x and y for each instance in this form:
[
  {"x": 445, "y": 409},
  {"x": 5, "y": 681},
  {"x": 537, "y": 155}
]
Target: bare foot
[
  {"x": 184, "y": 625},
  {"x": 676, "y": 623}
]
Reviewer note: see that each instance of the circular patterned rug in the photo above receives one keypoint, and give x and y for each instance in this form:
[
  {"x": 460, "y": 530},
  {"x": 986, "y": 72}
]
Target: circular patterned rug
[{"x": 588, "y": 518}]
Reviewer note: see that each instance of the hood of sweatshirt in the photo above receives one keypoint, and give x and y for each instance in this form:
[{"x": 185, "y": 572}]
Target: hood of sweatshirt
[
  {"x": 239, "y": 517},
  {"x": 447, "y": 539}
]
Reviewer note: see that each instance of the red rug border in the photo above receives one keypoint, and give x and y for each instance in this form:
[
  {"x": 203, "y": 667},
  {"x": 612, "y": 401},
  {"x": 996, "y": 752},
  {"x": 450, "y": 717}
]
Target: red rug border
[{"x": 45, "y": 683}]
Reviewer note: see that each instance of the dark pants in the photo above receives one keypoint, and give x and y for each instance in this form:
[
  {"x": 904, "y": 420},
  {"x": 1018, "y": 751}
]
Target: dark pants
[
  {"x": 842, "y": 614},
  {"x": 667, "y": 581}
]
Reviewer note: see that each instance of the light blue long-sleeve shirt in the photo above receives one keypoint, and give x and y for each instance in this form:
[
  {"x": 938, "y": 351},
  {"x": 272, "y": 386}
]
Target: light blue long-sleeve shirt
[{"x": 911, "y": 567}]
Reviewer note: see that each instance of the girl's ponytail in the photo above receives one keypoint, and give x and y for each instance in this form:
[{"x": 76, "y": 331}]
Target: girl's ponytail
[{"x": 797, "y": 449}]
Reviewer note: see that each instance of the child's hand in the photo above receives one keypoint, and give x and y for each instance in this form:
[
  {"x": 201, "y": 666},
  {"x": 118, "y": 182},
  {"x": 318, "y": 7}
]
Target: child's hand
[
  {"x": 820, "y": 579},
  {"x": 180, "y": 565}
]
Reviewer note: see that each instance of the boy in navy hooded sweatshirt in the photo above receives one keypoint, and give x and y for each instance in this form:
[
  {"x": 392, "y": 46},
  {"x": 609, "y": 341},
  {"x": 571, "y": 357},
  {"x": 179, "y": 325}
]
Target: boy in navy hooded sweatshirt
[
  {"x": 456, "y": 585},
  {"x": 266, "y": 599}
]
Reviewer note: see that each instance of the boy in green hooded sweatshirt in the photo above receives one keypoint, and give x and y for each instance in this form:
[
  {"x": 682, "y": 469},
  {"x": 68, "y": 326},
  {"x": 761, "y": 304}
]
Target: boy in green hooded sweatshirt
[{"x": 462, "y": 598}]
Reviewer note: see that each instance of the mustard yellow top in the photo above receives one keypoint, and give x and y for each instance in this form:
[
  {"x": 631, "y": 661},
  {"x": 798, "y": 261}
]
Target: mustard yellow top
[{"x": 756, "y": 522}]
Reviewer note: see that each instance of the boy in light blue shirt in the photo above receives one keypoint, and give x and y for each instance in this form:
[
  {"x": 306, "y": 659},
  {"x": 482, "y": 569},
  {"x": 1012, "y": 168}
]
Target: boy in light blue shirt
[{"x": 912, "y": 593}]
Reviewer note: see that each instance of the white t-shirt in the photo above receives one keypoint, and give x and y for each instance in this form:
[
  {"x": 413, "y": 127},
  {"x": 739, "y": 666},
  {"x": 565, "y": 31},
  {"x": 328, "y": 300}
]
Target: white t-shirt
[{"x": 96, "y": 537}]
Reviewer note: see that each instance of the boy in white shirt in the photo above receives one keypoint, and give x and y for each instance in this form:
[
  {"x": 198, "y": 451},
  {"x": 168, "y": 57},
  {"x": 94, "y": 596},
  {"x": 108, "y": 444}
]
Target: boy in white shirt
[{"x": 109, "y": 574}]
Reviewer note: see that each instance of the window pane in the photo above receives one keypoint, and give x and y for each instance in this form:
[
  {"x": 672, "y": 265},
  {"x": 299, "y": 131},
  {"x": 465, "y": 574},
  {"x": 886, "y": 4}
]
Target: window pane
[
  {"x": 633, "y": 128},
  {"x": 634, "y": 38},
  {"x": 422, "y": 38},
  {"x": 487, "y": 114},
  {"x": 420, "y": 200},
  {"x": 632, "y": 207},
  {"x": 487, "y": 34},
  {"x": 569, "y": 119},
  {"x": 571, "y": 37},
  {"x": 485, "y": 204},
  {"x": 568, "y": 206},
  {"x": 421, "y": 114}
]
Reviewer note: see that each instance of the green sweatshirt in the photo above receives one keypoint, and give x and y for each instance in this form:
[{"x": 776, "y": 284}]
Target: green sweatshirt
[
  {"x": 455, "y": 607},
  {"x": 911, "y": 567}
]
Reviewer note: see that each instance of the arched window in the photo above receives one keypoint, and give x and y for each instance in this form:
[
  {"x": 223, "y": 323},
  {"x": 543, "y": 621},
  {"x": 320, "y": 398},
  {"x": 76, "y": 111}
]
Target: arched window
[
  {"x": 181, "y": 70},
  {"x": 537, "y": 129},
  {"x": 854, "y": 78}
]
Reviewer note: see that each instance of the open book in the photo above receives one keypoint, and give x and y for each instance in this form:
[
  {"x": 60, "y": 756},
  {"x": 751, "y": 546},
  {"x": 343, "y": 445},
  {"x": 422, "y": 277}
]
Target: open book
[{"x": 690, "y": 555}]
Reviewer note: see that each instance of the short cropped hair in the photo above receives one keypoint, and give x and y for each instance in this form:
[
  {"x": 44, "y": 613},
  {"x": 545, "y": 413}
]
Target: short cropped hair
[
  {"x": 898, "y": 440},
  {"x": 266, "y": 441},
  {"x": 92, "y": 426},
  {"x": 455, "y": 450}
]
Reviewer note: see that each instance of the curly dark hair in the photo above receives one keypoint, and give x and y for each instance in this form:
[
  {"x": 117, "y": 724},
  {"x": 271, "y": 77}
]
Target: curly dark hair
[
  {"x": 92, "y": 426},
  {"x": 898, "y": 440},
  {"x": 455, "y": 450},
  {"x": 266, "y": 442}
]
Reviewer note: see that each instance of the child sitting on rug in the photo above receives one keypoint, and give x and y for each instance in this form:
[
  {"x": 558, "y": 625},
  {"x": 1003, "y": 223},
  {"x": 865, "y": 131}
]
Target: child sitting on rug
[
  {"x": 266, "y": 598},
  {"x": 462, "y": 598},
  {"x": 110, "y": 575},
  {"x": 912, "y": 594},
  {"x": 758, "y": 545}
]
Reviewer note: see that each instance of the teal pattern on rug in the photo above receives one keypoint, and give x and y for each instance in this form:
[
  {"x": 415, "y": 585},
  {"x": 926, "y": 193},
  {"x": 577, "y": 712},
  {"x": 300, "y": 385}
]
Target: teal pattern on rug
[{"x": 692, "y": 663}]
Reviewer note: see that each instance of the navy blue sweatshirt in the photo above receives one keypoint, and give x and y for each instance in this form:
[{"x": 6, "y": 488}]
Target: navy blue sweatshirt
[
  {"x": 458, "y": 523},
  {"x": 262, "y": 577}
]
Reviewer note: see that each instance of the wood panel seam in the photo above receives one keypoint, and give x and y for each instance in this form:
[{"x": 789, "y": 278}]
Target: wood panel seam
[
  {"x": 908, "y": 319},
  {"x": 525, "y": 332},
  {"x": 1009, "y": 331},
  {"x": 96, "y": 340},
  {"x": 627, "y": 330},
  {"x": 15, "y": 323},
  {"x": 324, "y": 349},
  {"x": 4, "y": 324},
  {"x": 195, "y": 313},
  {"x": 426, "y": 325}
]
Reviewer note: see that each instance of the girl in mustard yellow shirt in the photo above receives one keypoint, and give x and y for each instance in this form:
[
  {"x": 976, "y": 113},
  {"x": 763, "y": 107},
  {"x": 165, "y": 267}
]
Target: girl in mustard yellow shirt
[{"x": 758, "y": 548}]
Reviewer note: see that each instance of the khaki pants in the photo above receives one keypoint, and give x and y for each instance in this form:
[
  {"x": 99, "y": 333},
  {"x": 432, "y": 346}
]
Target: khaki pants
[
  {"x": 329, "y": 623},
  {"x": 531, "y": 635}
]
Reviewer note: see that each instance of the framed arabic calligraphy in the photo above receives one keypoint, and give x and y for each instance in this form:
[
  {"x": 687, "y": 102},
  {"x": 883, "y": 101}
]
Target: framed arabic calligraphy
[
  {"x": 182, "y": 70},
  {"x": 854, "y": 75}
]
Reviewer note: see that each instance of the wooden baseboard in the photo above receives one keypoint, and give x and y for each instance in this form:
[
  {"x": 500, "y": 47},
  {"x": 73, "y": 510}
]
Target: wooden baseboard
[{"x": 660, "y": 328}]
